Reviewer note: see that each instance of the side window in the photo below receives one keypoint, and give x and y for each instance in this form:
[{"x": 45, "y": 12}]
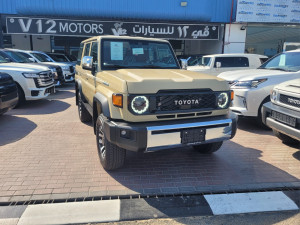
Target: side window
[
  {"x": 87, "y": 50},
  {"x": 94, "y": 54},
  {"x": 79, "y": 54},
  {"x": 262, "y": 60},
  {"x": 241, "y": 62},
  {"x": 232, "y": 61}
]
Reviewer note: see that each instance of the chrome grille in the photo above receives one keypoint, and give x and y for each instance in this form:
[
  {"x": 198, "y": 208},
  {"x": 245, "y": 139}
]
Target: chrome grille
[{"x": 44, "y": 80}]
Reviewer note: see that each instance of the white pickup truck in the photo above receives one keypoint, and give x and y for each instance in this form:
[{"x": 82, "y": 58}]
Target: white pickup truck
[
  {"x": 218, "y": 63},
  {"x": 33, "y": 82}
]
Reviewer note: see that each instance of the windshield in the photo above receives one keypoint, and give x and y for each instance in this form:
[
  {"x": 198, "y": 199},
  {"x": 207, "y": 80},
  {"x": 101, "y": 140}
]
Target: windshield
[
  {"x": 287, "y": 61},
  {"x": 137, "y": 54},
  {"x": 18, "y": 57},
  {"x": 205, "y": 61},
  {"x": 41, "y": 57},
  {"x": 58, "y": 57},
  {"x": 3, "y": 59}
]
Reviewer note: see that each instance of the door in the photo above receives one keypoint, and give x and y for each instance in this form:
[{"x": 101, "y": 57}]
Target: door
[{"x": 86, "y": 76}]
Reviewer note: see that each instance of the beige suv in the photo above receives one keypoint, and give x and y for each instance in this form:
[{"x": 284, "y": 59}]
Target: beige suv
[{"x": 140, "y": 100}]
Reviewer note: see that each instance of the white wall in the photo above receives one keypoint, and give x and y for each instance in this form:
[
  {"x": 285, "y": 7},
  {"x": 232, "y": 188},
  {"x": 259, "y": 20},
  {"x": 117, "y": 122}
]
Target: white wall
[
  {"x": 20, "y": 41},
  {"x": 41, "y": 43},
  {"x": 235, "y": 38}
]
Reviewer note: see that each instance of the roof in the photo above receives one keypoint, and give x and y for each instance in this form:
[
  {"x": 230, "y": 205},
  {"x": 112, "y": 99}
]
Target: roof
[
  {"x": 123, "y": 37},
  {"x": 235, "y": 54}
]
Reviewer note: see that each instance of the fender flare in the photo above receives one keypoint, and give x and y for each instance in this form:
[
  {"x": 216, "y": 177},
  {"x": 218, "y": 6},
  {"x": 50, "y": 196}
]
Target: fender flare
[{"x": 103, "y": 102}]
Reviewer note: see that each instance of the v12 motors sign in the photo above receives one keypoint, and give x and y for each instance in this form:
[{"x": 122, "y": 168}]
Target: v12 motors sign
[{"x": 42, "y": 26}]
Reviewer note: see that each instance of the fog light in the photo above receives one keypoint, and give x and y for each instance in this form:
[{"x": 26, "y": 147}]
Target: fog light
[
  {"x": 123, "y": 132},
  {"x": 34, "y": 93}
]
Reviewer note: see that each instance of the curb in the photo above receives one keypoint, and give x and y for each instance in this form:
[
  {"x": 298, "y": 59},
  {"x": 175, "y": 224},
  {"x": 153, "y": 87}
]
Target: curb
[{"x": 150, "y": 208}]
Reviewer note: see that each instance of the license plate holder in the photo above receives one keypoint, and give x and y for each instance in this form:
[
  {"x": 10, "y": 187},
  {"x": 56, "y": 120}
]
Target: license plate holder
[
  {"x": 192, "y": 136},
  {"x": 289, "y": 120}
]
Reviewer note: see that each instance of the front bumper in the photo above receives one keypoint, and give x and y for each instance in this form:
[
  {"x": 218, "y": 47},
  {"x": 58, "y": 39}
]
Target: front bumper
[
  {"x": 39, "y": 93},
  {"x": 152, "y": 136},
  {"x": 68, "y": 76},
  {"x": 293, "y": 132},
  {"x": 8, "y": 101}
]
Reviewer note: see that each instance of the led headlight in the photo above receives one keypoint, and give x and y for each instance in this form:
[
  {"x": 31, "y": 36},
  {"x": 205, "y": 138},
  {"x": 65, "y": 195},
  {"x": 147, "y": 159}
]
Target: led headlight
[
  {"x": 139, "y": 104},
  {"x": 222, "y": 100},
  {"x": 248, "y": 83},
  {"x": 31, "y": 75}
]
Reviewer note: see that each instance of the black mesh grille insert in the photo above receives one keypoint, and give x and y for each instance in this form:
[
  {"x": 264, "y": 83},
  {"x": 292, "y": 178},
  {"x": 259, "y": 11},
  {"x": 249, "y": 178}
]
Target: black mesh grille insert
[
  {"x": 186, "y": 102},
  {"x": 288, "y": 100}
]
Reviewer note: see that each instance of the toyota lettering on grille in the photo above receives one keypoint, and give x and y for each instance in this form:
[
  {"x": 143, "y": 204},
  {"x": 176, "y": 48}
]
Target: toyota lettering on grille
[
  {"x": 187, "y": 102},
  {"x": 294, "y": 101}
]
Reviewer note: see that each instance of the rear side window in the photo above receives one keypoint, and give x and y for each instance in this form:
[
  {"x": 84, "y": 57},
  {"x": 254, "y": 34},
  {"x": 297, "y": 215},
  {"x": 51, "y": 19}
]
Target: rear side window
[
  {"x": 262, "y": 60},
  {"x": 232, "y": 61},
  {"x": 94, "y": 53},
  {"x": 79, "y": 54}
]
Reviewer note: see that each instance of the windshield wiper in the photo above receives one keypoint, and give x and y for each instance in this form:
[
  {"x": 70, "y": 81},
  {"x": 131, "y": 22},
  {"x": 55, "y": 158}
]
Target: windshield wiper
[{"x": 151, "y": 66}]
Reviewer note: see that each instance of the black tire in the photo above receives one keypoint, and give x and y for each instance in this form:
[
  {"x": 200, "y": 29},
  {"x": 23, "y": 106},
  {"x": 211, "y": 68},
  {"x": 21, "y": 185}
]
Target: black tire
[
  {"x": 286, "y": 139},
  {"x": 111, "y": 156},
  {"x": 208, "y": 148},
  {"x": 259, "y": 120},
  {"x": 21, "y": 96},
  {"x": 84, "y": 115}
]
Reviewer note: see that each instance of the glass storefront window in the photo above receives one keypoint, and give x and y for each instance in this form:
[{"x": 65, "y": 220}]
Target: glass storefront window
[{"x": 269, "y": 39}]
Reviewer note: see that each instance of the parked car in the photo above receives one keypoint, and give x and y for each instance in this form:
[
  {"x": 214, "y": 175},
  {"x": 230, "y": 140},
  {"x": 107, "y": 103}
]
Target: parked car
[
  {"x": 282, "y": 114},
  {"x": 216, "y": 64},
  {"x": 59, "y": 57},
  {"x": 142, "y": 101},
  {"x": 8, "y": 93},
  {"x": 67, "y": 67},
  {"x": 20, "y": 56},
  {"x": 252, "y": 88},
  {"x": 33, "y": 82}
]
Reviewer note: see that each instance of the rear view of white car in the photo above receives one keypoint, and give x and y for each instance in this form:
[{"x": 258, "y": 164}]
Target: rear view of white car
[
  {"x": 216, "y": 64},
  {"x": 252, "y": 88}
]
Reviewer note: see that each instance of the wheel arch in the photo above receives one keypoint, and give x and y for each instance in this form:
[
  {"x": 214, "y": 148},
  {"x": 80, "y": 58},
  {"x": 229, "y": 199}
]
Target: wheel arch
[{"x": 100, "y": 105}]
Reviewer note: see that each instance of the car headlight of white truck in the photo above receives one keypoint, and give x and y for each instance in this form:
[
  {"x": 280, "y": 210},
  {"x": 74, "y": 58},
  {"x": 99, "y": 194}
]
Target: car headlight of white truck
[{"x": 249, "y": 83}]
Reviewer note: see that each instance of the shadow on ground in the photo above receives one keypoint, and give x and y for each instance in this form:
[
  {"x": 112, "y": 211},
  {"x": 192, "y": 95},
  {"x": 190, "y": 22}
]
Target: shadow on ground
[
  {"x": 18, "y": 128},
  {"x": 250, "y": 125},
  {"x": 39, "y": 107},
  {"x": 62, "y": 94}
]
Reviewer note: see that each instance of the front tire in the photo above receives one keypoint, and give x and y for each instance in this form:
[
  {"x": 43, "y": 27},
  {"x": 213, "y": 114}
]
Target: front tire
[
  {"x": 111, "y": 156},
  {"x": 84, "y": 115},
  {"x": 21, "y": 96},
  {"x": 208, "y": 148},
  {"x": 285, "y": 139}
]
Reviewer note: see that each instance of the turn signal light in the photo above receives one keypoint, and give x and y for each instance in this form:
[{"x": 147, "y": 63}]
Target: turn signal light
[
  {"x": 231, "y": 95},
  {"x": 117, "y": 100}
]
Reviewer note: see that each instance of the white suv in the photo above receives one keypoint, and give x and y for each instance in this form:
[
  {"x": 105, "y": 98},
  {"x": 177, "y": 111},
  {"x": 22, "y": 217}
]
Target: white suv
[
  {"x": 252, "y": 88},
  {"x": 218, "y": 63},
  {"x": 67, "y": 67},
  {"x": 34, "y": 82}
]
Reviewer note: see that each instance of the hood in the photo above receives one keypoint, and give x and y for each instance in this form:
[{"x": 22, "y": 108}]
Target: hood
[
  {"x": 252, "y": 74},
  {"x": 22, "y": 67},
  {"x": 61, "y": 64},
  {"x": 290, "y": 86},
  {"x": 153, "y": 80},
  {"x": 198, "y": 68}
]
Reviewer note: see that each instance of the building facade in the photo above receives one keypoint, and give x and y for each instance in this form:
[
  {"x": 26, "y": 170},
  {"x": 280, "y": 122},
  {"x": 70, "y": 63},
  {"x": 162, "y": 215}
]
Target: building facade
[{"x": 192, "y": 26}]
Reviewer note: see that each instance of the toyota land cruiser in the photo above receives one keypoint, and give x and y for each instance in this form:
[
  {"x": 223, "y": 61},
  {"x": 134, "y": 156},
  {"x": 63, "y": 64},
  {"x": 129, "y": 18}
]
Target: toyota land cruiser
[{"x": 140, "y": 100}]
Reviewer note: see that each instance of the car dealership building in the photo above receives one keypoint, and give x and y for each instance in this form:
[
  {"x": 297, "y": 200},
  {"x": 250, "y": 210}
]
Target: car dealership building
[{"x": 192, "y": 26}]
